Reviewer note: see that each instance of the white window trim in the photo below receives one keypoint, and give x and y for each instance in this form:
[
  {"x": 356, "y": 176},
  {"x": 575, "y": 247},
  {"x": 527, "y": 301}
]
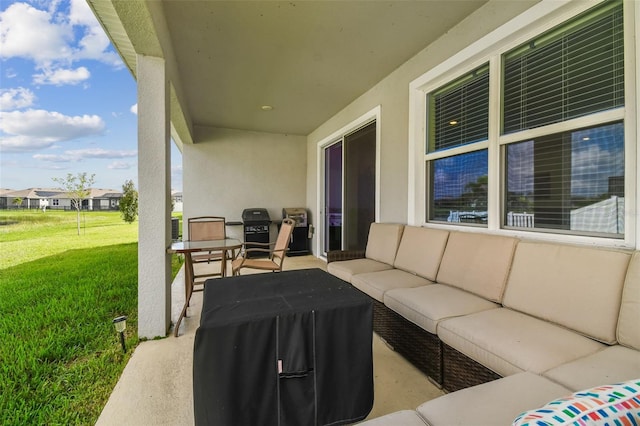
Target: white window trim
[
  {"x": 539, "y": 18},
  {"x": 366, "y": 118}
]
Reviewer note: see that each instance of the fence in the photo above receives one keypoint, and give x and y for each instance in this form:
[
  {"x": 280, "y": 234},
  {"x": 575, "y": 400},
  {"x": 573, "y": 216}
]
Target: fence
[{"x": 520, "y": 220}]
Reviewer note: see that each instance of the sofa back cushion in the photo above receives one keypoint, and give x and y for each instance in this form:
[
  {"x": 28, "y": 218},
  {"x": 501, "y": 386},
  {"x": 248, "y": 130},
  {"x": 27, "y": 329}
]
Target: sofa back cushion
[
  {"x": 421, "y": 250},
  {"x": 478, "y": 263},
  {"x": 383, "y": 240},
  {"x": 577, "y": 287},
  {"x": 629, "y": 319}
]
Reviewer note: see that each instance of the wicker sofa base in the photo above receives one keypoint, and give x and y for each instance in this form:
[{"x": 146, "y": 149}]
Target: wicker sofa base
[
  {"x": 419, "y": 347},
  {"x": 445, "y": 366},
  {"x": 461, "y": 372}
]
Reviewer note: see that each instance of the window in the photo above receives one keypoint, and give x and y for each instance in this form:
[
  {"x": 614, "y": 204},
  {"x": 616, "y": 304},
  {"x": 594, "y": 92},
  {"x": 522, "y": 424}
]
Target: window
[
  {"x": 56, "y": 202},
  {"x": 459, "y": 188},
  {"x": 571, "y": 181},
  {"x": 459, "y": 112},
  {"x": 458, "y": 116},
  {"x": 568, "y": 72},
  {"x": 542, "y": 148}
]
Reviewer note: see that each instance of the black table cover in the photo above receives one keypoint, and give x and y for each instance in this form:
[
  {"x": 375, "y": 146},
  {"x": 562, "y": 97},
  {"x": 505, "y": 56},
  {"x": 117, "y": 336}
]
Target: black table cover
[{"x": 289, "y": 348}]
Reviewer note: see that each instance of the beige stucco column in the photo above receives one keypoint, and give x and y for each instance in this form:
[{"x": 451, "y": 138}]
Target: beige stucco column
[{"x": 154, "y": 187}]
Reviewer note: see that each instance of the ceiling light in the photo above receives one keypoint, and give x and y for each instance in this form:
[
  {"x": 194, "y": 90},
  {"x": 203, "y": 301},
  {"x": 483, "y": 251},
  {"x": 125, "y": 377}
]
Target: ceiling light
[
  {"x": 266, "y": 107},
  {"x": 453, "y": 122}
]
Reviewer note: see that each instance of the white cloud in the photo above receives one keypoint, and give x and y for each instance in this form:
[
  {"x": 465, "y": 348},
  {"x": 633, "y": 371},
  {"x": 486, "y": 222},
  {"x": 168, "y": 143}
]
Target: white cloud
[
  {"x": 29, "y": 33},
  {"x": 16, "y": 98},
  {"x": 134, "y": 109},
  {"x": 80, "y": 14},
  {"x": 121, "y": 165},
  {"x": 61, "y": 76},
  {"x": 53, "y": 158},
  {"x": 35, "y": 129},
  {"x": 94, "y": 43},
  {"x": 48, "y": 37},
  {"x": 101, "y": 153},
  {"x": 81, "y": 154}
]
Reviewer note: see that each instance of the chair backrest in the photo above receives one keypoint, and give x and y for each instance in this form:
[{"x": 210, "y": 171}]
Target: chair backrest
[
  {"x": 206, "y": 228},
  {"x": 282, "y": 242}
]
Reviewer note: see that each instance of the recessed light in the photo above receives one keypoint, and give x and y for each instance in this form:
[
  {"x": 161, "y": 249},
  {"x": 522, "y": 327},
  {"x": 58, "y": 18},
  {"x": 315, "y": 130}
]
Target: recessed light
[{"x": 266, "y": 107}]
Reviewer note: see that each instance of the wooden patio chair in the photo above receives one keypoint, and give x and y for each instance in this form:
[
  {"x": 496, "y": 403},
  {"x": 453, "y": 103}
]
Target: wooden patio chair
[
  {"x": 204, "y": 228},
  {"x": 276, "y": 252}
]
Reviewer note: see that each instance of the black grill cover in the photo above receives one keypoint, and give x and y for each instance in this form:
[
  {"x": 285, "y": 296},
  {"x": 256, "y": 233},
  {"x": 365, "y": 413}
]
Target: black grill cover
[{"x": 289, "y": 348}]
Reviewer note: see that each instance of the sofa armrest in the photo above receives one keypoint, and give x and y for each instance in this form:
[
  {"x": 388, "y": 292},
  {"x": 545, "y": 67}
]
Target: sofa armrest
[{"x": 336, "y": 255}]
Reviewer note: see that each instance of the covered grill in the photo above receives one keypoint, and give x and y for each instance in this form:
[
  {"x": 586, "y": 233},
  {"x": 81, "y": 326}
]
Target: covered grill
[{"x": 256, "y": 222}]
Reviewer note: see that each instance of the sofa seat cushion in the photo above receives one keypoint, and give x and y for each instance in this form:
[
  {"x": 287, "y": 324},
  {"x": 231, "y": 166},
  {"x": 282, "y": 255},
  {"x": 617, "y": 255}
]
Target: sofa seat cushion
[
  {"x": 616, "y": 404},
  {"x": 477, "y": 263},
  {"x": 347, "y": 268},
  {"x": 376, "y": 284},
  {"x": 427, "y": 306},
  {"x": 509, "y": 342},
  {"x": 421, "y": 250},
  {"x": 404, "y": 418},
  {"x": 611, "y": 365},
  {"x": 628, "y": 331},
  {"x": 493, "y": 403},
  {"x": 577, "y": 287}
]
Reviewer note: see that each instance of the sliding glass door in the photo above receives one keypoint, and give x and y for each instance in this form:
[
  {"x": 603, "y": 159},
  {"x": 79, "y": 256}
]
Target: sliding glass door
[{"x": 349, "y": 189}]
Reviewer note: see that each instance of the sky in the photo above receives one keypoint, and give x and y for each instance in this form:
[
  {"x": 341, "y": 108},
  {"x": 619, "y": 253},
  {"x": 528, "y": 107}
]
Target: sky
[{"x": 67, "y": 101}]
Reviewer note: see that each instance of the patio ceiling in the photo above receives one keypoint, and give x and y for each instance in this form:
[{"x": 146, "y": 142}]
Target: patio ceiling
[{"x": 305, "y": 59}]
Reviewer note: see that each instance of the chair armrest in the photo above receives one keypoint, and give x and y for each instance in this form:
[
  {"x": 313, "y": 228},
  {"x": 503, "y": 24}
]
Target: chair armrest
[
  {"x": 337, "y": 255},
  {"x": 257, "y": 250}
]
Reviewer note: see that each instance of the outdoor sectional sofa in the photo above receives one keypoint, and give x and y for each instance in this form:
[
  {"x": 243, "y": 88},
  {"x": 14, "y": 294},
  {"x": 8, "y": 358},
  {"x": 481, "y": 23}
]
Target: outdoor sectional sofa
[{"x": 504, "y": 324}]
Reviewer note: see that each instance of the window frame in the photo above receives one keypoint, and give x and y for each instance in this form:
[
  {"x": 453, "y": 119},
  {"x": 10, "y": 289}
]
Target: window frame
[{"x": 532, "y": 23}]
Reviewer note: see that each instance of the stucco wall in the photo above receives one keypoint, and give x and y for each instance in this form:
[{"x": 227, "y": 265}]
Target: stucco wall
[
  {"x": 230, "y": 170},
  {"x": 392, "y": 94}
]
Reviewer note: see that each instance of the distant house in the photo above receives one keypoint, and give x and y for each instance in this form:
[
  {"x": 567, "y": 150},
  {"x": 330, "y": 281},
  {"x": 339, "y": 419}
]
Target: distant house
[
  {"x": 176, "y": 198},
  {"x": 57, "y": 199}
]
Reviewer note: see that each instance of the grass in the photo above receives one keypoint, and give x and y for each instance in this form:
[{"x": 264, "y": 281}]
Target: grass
[{"x": 60, "y": 356}]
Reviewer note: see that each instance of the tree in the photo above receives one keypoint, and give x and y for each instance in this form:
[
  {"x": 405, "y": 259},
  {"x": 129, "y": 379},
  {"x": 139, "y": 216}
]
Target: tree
[
  {"x": 78, "y": 188},
  {"x": 129, "y": 202}
]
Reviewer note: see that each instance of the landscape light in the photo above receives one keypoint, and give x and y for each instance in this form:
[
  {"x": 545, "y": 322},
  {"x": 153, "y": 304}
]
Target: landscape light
[{"x": 120, "y": 324}]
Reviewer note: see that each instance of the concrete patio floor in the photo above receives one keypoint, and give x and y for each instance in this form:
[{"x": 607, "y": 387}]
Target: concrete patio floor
[{"x": 156, "y": 386}]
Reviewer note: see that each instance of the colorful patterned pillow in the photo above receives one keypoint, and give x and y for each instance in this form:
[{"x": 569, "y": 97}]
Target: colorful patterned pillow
[{"x": 614, "y": 405}]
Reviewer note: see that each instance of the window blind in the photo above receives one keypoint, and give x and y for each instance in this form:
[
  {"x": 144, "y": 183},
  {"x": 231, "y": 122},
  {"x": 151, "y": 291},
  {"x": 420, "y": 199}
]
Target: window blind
[
  {"x": 571, "y": 71},
  {"x": 458, "y": 113}
]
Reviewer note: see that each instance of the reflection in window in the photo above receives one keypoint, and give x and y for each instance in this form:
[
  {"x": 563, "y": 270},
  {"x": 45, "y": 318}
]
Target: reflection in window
[
  {"x": 459, "y": 188},
  {"x": 568, "y": 181}
]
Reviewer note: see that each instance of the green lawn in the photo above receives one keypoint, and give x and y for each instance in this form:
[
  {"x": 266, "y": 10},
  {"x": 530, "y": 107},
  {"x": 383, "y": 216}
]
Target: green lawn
[{"x": 60, "y": 356}]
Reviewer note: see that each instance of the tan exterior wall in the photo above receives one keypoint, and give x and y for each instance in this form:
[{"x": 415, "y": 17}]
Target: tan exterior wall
[{"x": 230, "y": 170}]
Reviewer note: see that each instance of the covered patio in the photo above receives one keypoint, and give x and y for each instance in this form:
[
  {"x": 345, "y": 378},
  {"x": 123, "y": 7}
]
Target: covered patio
[
  {"x": 156, "y": 387},
  {"x": 259, "y": 96}
]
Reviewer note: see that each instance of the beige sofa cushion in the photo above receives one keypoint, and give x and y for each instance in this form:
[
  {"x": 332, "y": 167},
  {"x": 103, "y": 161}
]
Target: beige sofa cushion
[
  {"x": 376, "y": 284},
  {"x": 478, "y": 263},
  {"x": 510, "y": 342},
  {"x": 345, "y": 269},
  {"x": 493, "y": 403},
  {"x": 427, "y": 306},
  {"x": 614, "y": 364},
  {"x": 629, "y": 320},
  {"x": 421, "y": 250},
  {"x": 399, "y": 418},
  {"x": 577, "y": 287},
  {"x": 383, "y": 241}
]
